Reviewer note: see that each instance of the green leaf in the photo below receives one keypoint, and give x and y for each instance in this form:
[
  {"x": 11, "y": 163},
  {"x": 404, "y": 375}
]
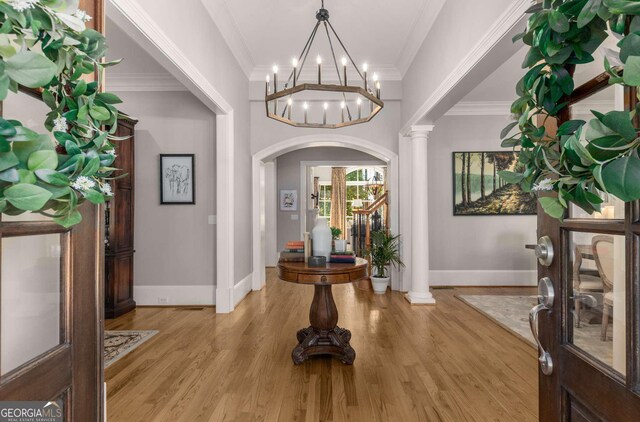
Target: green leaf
[
  {"x": 630, "y": 46},
  {"x": 30, "y": 69},
  {"x": 72, "y": 148},
  {"x": 49, "y": 99},
  {"x": 27, "y": 197},
  {"x": 74, "y": 217},
  {"x": 558, "y": 21},
  {"x": 26, "y": 176},
  {"x": 631, "y": 74},
  {"x": 588, "y": 12},
  {"x": 507, "y": 129},
  {"x": 52, "y": 177},
  {"x": 620, "y": 122},
  {"x": 10, "y": 175},
  {"x": 8, "y": 160},
  {"x": 23, "y": 134},
  {"x": 92, "y": 167},
  {"x": 6, "y": 128},
  {"x": 99, "y": 113},
  {"x": 570, "y": 127},
  {"x": 43, "y": 159},
  {"x": 93, "y": 196},
  {"x": 621, "y": 178},
  {"x": 80, "y": 88},
  {"x": 108, "y": 98},
  {"x": 24, "y": 149},
  {"x": 552, "y": 206}
]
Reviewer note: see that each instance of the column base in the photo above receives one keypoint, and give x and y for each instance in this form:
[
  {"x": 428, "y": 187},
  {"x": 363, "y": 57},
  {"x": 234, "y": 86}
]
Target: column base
[{"x": 420, "y": 298}]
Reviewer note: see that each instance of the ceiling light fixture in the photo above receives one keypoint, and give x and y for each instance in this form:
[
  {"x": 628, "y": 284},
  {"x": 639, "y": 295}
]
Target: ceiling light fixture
[{"x": 343, "y": 94}]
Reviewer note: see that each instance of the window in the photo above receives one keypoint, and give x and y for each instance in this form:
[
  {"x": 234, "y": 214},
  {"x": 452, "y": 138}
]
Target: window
[{"x": 359, "y": 182}]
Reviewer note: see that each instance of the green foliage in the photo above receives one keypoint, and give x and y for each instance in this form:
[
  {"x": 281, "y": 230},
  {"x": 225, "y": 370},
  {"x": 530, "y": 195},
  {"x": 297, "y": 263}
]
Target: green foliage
[
  {"x": 44, "y": 44},
  {"x": 335, "y": 233},
  {"x": 384, "y": 251},
  {"x": 583, "y": 159}
]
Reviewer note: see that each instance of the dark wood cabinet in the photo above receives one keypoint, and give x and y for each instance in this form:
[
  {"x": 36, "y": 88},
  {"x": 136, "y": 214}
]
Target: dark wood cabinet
[{"x": 119, "y": 250}]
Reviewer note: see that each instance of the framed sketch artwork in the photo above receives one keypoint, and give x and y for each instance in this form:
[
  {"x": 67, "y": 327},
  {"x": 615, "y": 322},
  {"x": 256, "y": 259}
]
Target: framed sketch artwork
[
  {"x": 288, "y": 200},
  {"x": 177, "y": 179}
]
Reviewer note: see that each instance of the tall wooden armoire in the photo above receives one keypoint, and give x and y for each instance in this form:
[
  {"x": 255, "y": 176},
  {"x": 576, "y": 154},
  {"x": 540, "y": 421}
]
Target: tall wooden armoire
[{"x": 119, "y": 212}]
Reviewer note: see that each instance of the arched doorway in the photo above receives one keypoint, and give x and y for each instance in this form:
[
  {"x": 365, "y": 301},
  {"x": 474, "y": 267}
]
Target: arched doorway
[{"x": 334, "y": 140}]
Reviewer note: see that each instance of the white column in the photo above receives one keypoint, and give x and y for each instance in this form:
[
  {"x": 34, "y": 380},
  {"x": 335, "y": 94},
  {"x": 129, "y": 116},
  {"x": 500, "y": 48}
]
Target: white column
[{"x": 419, "y": 293}]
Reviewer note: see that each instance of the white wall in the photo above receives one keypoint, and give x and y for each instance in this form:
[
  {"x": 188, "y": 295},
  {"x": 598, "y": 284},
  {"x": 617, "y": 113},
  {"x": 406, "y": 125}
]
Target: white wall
[
  {"x": 470, "y": 250},
  {"x": 288, "y": 175},
  {"x": 175, "y": 244},
  {"x": 190, "y": 28},
  {"x": 458, "y": 28}
]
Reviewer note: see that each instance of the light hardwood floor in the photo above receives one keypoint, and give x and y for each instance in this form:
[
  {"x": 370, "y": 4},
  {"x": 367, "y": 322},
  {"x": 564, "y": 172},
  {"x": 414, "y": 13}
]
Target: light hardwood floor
[{"x": 442, "y": 363}]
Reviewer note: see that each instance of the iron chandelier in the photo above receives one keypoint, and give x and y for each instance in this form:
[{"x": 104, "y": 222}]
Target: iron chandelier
[{"x": 296, "y": 103}]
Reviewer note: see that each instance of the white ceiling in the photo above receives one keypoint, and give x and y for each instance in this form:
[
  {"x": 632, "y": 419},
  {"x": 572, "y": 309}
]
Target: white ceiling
[{"x": 385, "y": 34}]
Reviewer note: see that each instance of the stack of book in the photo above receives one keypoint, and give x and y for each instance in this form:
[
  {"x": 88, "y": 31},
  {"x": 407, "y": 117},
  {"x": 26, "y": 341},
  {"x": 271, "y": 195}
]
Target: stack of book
[
  {"x": 342, "y": 258},
  {"x": 293, "y": 252}
]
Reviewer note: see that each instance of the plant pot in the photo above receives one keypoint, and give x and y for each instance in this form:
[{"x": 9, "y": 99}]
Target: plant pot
[
  {"x": 340, "y": 245},
  {"x": 380, "y": 284}
]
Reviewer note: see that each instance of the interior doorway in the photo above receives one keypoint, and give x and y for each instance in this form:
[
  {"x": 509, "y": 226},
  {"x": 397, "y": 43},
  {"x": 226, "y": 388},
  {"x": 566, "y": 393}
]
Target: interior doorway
[{"x": 265, "y": 158}]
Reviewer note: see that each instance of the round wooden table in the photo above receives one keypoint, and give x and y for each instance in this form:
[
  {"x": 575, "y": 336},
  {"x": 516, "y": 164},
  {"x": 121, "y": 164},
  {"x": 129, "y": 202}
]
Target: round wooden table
[{"x": 323, "y": 336}]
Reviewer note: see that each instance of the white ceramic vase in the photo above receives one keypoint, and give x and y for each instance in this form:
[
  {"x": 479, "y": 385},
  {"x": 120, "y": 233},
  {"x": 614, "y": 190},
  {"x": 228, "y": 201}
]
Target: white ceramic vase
[{"x": 321, "y": 238}]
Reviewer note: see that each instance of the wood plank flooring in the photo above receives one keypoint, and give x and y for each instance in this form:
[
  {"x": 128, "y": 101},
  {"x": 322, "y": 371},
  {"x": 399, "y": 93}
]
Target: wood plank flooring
[{"x": 442, "y": 363}]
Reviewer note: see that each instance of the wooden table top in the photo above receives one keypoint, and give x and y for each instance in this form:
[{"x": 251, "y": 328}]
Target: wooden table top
[{"x": 300, "y": 272}]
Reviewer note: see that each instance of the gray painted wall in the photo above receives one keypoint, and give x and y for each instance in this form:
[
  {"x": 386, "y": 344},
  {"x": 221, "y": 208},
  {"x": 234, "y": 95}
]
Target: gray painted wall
[
  {"x": 174, "y": 244},
  {"x": 192, "y": 30},
  {"x": 468, "y": 243},
  {"x": 288, "y": 176}
]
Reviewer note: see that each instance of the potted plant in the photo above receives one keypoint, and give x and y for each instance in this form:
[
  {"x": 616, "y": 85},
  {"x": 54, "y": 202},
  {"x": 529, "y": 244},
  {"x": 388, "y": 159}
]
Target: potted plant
[
  {"x": 384, "y": 251},
  {"x": 338, "y": 244}
]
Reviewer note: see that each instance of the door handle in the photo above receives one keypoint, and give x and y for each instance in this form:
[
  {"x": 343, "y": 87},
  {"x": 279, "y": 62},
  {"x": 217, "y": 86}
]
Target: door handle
[{"x": 546, "y": 296}]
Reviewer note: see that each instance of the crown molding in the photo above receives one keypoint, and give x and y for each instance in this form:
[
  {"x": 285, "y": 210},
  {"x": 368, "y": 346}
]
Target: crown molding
[
  {"x": 140, "y": 82},
  {"x": 419, "y": 30},
  {"x": 386, "y": 72},
  {"x": 228, "y": 27},
  {"x": 480, "y": 108},
  {"x": 503, "y": 108}
]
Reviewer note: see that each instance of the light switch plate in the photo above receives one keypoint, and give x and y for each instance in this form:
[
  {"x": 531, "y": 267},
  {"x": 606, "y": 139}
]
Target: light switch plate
[
  {"x": 212, "y": 219},
  {"x": 294, "y": 217}
]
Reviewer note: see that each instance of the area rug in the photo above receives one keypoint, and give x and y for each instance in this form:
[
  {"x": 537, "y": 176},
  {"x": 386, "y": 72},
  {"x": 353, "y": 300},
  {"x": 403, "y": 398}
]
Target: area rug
[
  {"x": 512, "y": 313},
  {"x": 120, "y": 343}
]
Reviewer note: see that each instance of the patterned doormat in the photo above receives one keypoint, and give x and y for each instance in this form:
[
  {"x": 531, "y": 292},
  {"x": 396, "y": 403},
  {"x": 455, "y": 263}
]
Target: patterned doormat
[
  {"x": 119, "y": 343},
  {"x": 512, "y": 313}
]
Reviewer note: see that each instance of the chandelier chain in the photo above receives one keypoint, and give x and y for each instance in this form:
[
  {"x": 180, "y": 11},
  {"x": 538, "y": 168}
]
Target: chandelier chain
[
  {"x": 345, "y": 50},
  {"x": 335, "y": 62}
]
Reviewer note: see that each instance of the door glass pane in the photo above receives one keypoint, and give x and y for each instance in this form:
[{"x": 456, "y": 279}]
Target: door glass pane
[
  {"x": 30, "y": 298},
  {"x": 611, "y": 208},
  {"x": 597, "y": 310}
]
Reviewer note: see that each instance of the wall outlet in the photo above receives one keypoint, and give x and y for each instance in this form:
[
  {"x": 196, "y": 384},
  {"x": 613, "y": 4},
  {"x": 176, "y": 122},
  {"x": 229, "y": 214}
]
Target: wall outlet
[
  {"x": 212, "y": 219},
  {"x": 294, "y": 217},
  {"x": 163, "y": 300}
]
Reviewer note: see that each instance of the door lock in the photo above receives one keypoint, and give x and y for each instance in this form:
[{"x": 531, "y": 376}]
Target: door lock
[
  {"x": 544, "y": 251},
  {"x": 546, "y": 297}
]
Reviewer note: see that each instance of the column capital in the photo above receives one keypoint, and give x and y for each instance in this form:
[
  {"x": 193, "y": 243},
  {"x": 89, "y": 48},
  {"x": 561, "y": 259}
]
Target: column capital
[{"x": 420, "y": 131}]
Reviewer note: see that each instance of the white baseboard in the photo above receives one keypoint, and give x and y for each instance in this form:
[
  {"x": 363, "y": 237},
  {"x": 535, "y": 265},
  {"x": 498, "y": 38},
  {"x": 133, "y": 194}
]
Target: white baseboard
[
  {"x": 242, "y": 289},
  {"x": 175, "y": 295},
  {"x": 483, "y": 278}
]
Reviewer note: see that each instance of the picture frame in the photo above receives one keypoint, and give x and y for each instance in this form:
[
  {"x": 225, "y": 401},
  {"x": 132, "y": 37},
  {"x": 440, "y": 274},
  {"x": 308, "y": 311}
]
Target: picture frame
[
  {"x": 472, "y": 169},
  {"x": 177, "y": 179},
  {"x": 288, "y": 200}
]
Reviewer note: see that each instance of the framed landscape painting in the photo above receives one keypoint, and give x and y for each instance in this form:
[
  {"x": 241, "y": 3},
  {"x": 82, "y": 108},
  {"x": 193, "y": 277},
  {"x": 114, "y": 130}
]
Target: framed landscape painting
[
  {"x": 479, "y": 190},
  {"x": 177, "y": 179}
]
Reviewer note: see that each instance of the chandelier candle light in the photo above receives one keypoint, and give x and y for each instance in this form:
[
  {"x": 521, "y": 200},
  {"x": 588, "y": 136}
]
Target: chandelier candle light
[{"x": 343, "y": 94}]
